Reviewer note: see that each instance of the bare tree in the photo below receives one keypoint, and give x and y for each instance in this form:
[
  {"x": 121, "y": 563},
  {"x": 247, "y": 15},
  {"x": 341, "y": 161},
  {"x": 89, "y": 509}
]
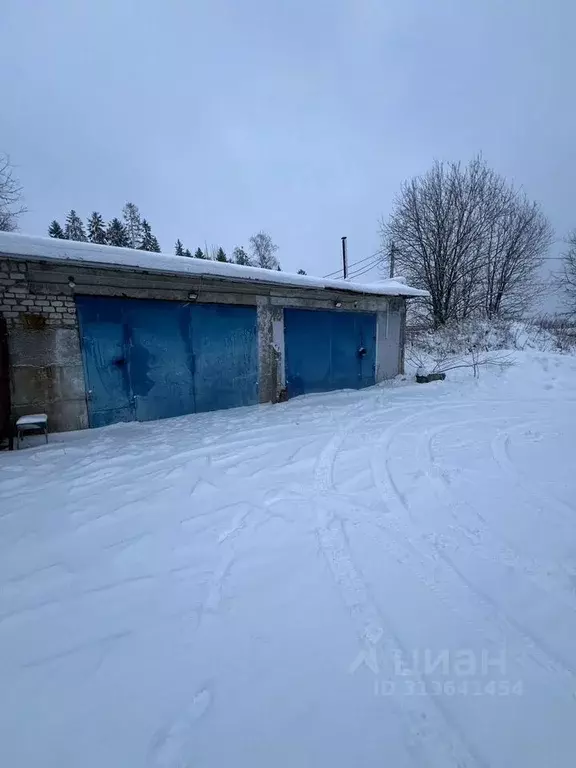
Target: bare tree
[
  {"x": 262, "y": 251},
  {"x": 210, "y": 251},
  {"x": 519, "y": 235},
  {"x": 10, "y": 197},
  {"x": 469, "y": 238},
  {"x": 567, "y": 281}
]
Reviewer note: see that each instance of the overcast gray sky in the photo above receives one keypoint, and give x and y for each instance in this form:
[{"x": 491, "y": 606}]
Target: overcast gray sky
[{"x": 220, "y": 117}]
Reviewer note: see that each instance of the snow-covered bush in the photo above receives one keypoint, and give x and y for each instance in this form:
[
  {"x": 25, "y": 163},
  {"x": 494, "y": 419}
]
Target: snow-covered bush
[
  {"x": 554, "y": 334},
  {"x": 543, "y": 335},
  {"x": 469, "y": 344},
  {"x": 477, "y": 343}
]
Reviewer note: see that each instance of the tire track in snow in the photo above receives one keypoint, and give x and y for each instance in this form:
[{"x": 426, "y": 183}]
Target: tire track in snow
[
  {"x": 479, "y": 538},
  {"x": 432, "y": 734},
  {"x": 427, "y": 554},
  {"x": 500, "y": 448},
  {"x": 324, "y": 468}
]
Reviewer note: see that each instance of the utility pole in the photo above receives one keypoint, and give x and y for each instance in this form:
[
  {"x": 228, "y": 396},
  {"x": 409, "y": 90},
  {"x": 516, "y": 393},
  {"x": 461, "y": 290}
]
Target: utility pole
[
  {"x": 392, "y": 255},
  {"x": 344, "y": 258}
]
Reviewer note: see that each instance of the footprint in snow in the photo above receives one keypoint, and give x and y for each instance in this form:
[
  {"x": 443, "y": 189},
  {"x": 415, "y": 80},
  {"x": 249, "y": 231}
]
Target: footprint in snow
[{"x": 172, "y": 744}]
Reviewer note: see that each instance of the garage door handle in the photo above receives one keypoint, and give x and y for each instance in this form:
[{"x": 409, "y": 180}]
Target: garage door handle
[{"x": 120, "y": 362}]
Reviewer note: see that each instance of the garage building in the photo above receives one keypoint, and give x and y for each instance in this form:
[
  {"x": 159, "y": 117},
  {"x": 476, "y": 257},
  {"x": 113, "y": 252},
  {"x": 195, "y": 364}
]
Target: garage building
[{"x": 93, "y": 335}]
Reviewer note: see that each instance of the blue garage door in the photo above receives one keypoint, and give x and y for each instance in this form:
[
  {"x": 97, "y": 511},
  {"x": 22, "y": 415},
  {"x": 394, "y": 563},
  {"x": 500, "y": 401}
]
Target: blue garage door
[
  {"x": 328, "y": 350},
  {"x": 104, "y": 349},
  {"x": 225, "y": 344},
  {"x": 160, "y": 359},
  {"x": 154, "y": 359}
]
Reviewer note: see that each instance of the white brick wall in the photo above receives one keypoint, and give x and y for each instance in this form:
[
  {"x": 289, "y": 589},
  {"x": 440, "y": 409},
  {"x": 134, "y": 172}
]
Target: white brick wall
[{"x": 21, "y": 307}]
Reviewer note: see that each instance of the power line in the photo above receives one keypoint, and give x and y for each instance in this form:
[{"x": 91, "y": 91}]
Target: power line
[
  {"x": 368, "y": 263},
  {"x": 353, "y": 265},
  {"x": 360, "y": 274},
  {"x": 360, "y": 267},
  {"x": 361, "y": 270},
  {"x": 366, "y": 268}
]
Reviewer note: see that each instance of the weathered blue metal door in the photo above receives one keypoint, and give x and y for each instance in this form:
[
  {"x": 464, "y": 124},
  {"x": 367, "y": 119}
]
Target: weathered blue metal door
[
  {"x": 160, "y": 359},
  {"x": 104, "y": 349},
  {"x": 225, "y": 344},
  {"x": 328, "y": 350},
  {"x": 154, "y": 359}
]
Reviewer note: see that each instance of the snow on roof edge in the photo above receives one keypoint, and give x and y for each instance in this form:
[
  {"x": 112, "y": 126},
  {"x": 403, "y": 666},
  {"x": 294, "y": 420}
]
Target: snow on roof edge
[{"x": 47, "y": 248}]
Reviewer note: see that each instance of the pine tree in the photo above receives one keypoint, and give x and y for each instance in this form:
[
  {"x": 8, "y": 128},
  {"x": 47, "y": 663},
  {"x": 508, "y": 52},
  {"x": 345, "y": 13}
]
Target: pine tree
[
  {"x": 55, "y": 230},
  {"x": 187, "y": 253},
  {"x": 301, "y": 271},
  {"x": 220, "y": 255},
  {"x": 179, "y": 248},
  {"x": 96, "y": 229},
  {"x": 116, "y": 234},
  {"x": 149, "y": 241},
  {"x": 199, "y": 254},
  {"x": 74, "y": 229},
  {"x": 133, "y": 225},
  {"x": 263, "y": 250},
  {"x": 240, "y": 256}
]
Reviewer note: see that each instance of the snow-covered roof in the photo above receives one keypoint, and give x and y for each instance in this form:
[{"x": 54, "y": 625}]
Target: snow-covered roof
[{"x": 51, "y": 249}]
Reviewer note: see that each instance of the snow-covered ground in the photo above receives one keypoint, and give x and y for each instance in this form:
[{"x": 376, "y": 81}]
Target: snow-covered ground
[{"x": 381, "y": 578}]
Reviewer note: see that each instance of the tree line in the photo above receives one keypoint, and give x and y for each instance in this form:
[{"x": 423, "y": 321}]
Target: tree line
[
  {"x": 133, "y": 231},
  {"x": 130, "y": 231},
  {"x": 474, "y": 241},
  {"x": 261, "y": 253}
]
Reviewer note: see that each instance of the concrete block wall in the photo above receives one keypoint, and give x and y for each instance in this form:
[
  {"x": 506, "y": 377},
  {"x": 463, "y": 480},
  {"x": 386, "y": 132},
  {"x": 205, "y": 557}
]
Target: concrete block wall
[
  {"x": 390, "y": 340},
  {"x": 46, "y": 370},
  {"x": 270, "y": 318}
]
